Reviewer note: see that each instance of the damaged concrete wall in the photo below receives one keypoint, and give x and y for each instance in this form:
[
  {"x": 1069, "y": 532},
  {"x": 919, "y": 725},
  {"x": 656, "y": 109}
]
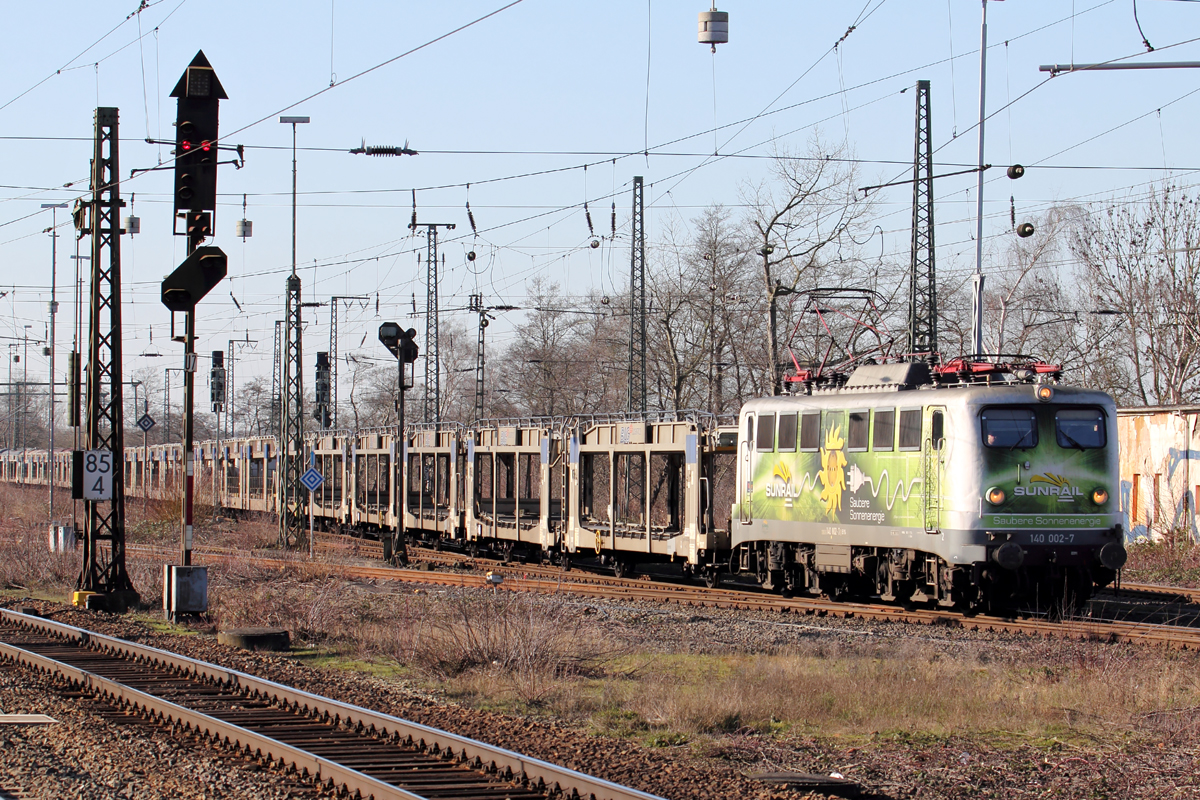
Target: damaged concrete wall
[{"x": 1160, "y": 484}]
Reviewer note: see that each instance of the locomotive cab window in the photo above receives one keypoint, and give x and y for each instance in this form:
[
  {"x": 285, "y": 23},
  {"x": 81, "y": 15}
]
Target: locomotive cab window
[
  {"x": 810, "y": 431},
  {"x": 910, "y": 429},
  {"x": 787, "y": 433},
  {"x": 766, "y": 432},
  {"x": 884, "y": 434},
  {"x": 856, "y": 435},
  {"x": 1081, "y": 428},
  {"x": 1010, "y": 428}
]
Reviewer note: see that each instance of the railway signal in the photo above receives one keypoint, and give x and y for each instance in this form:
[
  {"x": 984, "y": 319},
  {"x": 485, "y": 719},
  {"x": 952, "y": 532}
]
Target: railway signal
[
  {"x": 216, "y": 381},
  {"x": 402, "y": 344},
  {"x": 199, "y": 93},
  {"x": 194, "y": 278},
  {"x": 196, "y": 131},
  {"x": 321, "y": 412}
]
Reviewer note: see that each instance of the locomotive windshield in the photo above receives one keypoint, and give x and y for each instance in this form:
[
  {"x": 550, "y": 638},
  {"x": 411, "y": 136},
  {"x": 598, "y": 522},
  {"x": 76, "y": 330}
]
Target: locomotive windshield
[
  {"x": 1081, "y": 428},
  {"x": 1009, "y": 427}
]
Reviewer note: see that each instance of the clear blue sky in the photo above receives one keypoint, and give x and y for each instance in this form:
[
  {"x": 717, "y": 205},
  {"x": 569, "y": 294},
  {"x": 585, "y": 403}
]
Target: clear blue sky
[{"x": 547, "y": 87}]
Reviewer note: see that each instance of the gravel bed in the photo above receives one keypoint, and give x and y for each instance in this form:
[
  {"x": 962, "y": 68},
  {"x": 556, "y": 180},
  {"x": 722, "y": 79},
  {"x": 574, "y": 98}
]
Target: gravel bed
[
  {"x": 659, "y": 771},
  {"x": 94, "y": 752},
  {"x": 954, "y": 767}
]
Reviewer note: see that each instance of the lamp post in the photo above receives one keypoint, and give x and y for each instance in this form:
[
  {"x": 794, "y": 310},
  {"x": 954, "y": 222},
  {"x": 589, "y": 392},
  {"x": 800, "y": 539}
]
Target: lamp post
[
  {"x": 294, "y": 121},
  {"x": 53, "y": 311},
  {"x": 25, "y": 393}
]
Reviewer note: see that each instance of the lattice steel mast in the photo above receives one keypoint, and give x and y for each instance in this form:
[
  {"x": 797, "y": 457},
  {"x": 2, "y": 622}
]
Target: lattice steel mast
[
  {"x": 637, "y": 304},
  {"x": 231, "y": 385},
  {"x": 104, "y": 570},
  {"x": 922, "y": 281},
  {"x": 476, "y": 304},
  {"x": 276, "y": 382},
  {"x": 291, "y": 446},
  {"x": 432, "y": 408}
]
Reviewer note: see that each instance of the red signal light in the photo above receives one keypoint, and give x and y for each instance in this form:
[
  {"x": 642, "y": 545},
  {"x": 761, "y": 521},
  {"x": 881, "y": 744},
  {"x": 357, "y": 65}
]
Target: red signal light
[
  {"x": 185, "y": 145},
  {"x": 206, "y": 146}
]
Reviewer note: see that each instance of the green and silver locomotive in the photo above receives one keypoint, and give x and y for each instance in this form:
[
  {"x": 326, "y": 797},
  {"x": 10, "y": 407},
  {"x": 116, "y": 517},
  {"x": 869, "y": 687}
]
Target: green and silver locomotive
[{"x": 970, "y": 484}]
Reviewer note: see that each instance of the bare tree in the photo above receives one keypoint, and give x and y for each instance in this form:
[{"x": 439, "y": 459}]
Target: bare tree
[
  {"x": 1027, "y": 299},
  {"x": 1142, "y": 259},
  {"x": 798, "y": 221},
  {"x": 569, "y": 357}
]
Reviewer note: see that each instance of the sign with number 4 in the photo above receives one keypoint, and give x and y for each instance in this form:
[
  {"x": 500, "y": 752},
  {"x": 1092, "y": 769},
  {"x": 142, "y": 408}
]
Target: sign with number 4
[{"x": 97, "y": 475}]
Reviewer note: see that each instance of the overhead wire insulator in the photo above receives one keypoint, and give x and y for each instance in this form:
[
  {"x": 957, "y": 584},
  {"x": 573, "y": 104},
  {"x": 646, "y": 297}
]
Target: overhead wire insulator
[
  {"x": 614, "y": 219},
  {"x": 588, "y": 215},
  {"x": 470, "y": 216},
  {"x": 413, "y": 225}
]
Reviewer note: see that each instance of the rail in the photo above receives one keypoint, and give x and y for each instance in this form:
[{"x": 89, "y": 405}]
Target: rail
[{"x": 441, "y": 745}]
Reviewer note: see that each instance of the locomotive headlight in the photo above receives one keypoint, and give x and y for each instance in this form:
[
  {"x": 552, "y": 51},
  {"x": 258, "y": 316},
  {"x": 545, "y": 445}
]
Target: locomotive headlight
[
  {"x": 1045, "y": 394},
  {"x": 1100, "y": 497},
  {"x": 995, "y": 495}
]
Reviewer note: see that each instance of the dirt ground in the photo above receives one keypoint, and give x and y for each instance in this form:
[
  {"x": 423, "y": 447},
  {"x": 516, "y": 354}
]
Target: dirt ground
[{"x": 904, "y": 711}]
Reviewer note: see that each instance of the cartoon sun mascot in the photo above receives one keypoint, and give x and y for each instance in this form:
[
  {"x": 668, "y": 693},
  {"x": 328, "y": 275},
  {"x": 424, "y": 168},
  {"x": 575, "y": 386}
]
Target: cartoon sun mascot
[{"x": 833, "y": 473}]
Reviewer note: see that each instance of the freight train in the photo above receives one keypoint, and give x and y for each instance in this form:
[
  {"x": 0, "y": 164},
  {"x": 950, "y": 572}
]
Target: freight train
[{"x": 971, "y": 484}]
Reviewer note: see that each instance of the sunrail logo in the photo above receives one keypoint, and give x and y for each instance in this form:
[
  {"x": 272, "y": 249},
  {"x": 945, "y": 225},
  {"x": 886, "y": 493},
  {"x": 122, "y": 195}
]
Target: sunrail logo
[
  {"x": 781, "y": 483},
  {"x": 1058, "y": 486}
]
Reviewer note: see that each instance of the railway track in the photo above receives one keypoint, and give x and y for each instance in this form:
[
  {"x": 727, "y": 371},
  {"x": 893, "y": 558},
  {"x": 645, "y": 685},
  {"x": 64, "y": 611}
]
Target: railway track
[
  {"x": 546, "y": 580},
  {"x": 355, "y": 750}
]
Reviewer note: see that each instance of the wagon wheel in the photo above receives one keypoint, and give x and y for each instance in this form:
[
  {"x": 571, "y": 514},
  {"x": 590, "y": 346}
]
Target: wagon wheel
[{"x": 712, "y": 578}]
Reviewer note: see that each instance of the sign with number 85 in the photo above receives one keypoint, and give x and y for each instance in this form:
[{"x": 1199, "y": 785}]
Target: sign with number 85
[{"x": 97, "y": 475}]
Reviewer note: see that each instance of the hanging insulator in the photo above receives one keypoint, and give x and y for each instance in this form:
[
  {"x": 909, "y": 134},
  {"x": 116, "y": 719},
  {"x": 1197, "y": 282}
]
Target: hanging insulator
[
  {"x": 614, "y": 219},
  {"x": 470, "y": 216},
  {"x": 1025, "y": 230},
  {"x": 588, "y": 215},
  {"x": 1012, "y": 211},
  {"x": 1016, "y": 171},
  {"x": 413, "y": 225},
  {"x": 713, "y": 27}
]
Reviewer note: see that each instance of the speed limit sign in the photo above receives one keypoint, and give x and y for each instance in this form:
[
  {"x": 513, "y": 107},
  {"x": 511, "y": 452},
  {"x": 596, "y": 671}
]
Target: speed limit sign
[{"x": 97, "y": 475}]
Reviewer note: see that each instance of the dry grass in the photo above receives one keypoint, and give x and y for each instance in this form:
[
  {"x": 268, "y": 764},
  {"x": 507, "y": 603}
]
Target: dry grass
[
  {"x": 544, "y": 655},
  {"x": 478, "y": 643},
  {"x": 1174, "y": 561},
  {"x": 907, "y": 690}
]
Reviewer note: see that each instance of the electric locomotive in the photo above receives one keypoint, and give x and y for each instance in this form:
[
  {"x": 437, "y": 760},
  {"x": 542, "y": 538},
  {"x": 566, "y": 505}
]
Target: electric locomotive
[{"x": 971, "y": 484}]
